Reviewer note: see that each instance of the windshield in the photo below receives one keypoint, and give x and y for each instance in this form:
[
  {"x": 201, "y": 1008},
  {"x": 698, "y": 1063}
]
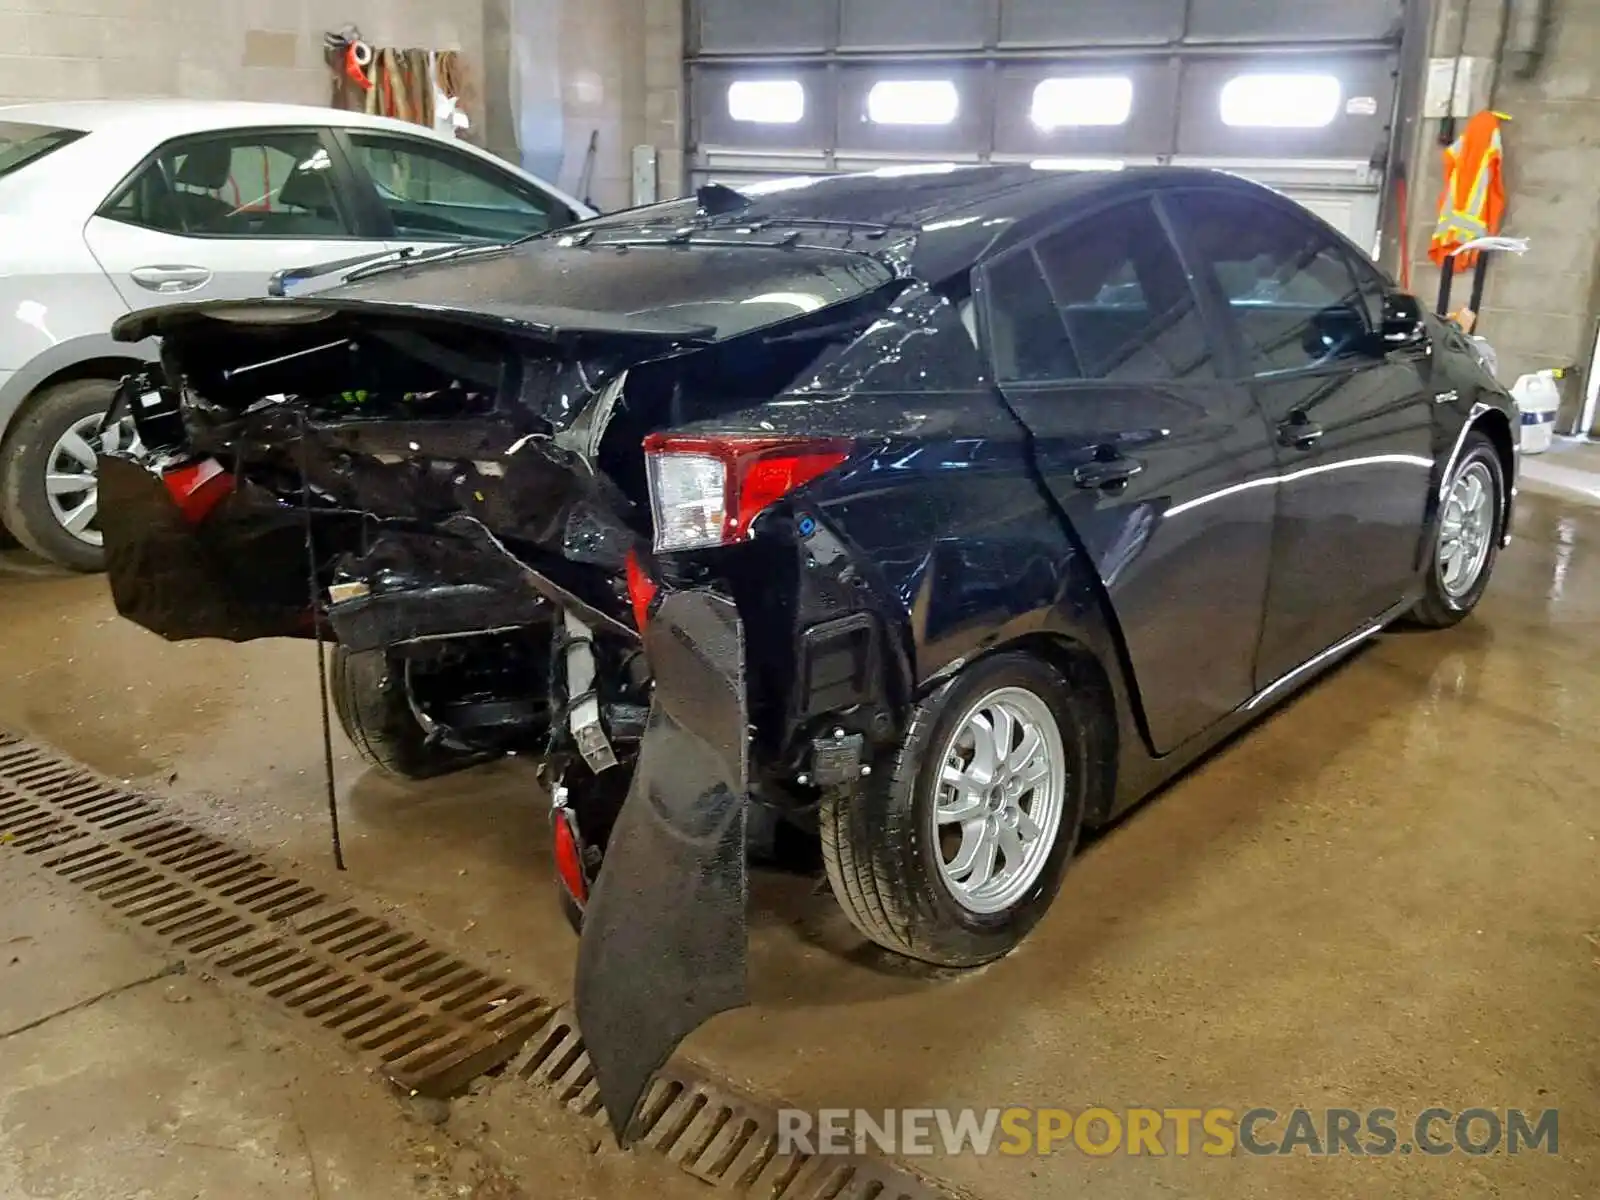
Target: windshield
[{"x": 21, "y": 144}]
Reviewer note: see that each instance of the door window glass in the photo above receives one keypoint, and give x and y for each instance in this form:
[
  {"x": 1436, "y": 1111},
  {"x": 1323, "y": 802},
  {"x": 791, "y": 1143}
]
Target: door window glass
[
  {"x": 254, "y": 183},
  {"x": 1129, "y": 310},
  {"x": 1030, "y": 343},
  {"x": 1291, "y": 288},
  {"x": 435, "y": 192}
]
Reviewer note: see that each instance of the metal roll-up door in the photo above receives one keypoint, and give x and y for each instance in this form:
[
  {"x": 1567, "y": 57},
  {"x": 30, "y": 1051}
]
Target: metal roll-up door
[{"x": 785, "y": 87}]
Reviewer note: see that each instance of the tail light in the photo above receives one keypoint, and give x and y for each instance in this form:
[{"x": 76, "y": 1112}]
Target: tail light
[
  {"x": 705, "y": 491},
  {"x": 569, "y": 855},
  {"x": 198, "y": 488},
  {"x": 642, "y": 590}
]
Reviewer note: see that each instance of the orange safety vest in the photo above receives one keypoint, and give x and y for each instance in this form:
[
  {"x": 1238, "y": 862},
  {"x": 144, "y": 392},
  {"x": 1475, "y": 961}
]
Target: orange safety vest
[{"x": 1474, "y": 199}]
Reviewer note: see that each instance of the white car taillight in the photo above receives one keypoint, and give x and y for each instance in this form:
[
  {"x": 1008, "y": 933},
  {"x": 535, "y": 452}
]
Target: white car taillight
[{"x": 705, "y": 491}]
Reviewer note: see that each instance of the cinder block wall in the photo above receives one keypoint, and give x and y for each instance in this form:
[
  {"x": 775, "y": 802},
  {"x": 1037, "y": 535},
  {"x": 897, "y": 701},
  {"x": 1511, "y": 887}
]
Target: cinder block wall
[
  {"x": 1539, "y": 310},
  {"x": 207, "y": 49},
  {"x": 610, "y": 66}
]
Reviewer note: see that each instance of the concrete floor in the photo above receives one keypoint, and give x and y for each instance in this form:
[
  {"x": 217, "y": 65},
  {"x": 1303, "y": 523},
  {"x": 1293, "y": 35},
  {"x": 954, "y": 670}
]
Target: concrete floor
[
  {"x": 122, "y": 1077},
  {"x": 1386, "y": 895}
]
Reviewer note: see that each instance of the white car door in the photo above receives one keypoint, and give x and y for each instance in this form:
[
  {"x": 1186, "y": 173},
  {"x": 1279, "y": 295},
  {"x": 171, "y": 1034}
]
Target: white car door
[{"x": 212, "y": 217}]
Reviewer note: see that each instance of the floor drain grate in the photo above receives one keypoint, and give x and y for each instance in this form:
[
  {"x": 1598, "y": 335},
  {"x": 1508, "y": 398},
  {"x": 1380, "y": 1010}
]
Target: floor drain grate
[
  {"x": 721, "y": 1138},
  {"x": 432, "y": 1021}
]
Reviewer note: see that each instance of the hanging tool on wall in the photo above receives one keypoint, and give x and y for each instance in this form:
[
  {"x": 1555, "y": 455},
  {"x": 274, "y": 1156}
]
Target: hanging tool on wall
[
  {"x": 1472, "y": 205},
  {"x": 349, "y": 56}
]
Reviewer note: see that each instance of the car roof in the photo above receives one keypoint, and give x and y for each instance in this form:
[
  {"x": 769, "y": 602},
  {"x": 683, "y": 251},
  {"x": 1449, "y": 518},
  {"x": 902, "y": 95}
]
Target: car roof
[
  {"x": 960, "y": 212},
  {"x": 160, "y": 119}
]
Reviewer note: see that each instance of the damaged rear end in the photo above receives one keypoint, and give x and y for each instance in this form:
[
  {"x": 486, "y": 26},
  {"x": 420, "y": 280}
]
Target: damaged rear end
[{"x": 466, "y": 490}]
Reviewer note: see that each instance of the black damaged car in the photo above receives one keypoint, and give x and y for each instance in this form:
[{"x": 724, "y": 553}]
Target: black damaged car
[{"x": 941, "y": 515}]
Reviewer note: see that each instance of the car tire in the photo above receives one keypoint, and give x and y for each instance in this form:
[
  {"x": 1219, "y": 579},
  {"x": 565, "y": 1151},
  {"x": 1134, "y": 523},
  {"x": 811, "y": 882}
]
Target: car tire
[
  {"x": 25, "y": 507},
  {"x": 887, "y": 865},
  {"x": 1449, "y": 596},
  {"x": 369, "y": 697}
]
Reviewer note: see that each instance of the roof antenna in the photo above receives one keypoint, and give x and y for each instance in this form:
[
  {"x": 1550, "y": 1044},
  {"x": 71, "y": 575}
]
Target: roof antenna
[{"x": 322, "y": 654}]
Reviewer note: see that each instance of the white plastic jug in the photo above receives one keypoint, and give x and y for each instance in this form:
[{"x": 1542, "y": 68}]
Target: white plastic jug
[{"x": 1537, "y": 398}]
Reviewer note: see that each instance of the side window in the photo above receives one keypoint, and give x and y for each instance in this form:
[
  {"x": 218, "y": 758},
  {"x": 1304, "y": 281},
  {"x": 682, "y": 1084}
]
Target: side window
[
  {"x": 254, "y": 183},
  {"x": 1030, "y": 343},
  {"x": 1291, "y": 288},
  {"x": 1129, "y": 310},
  {"x": 435, "y": 192}
]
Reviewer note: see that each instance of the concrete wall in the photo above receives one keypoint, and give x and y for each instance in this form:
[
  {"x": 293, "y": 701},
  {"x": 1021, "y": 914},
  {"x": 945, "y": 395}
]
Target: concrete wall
[
  {"x": 1539, "y": 310},
  {"x": 550, "y": 71},
  {"x": 207, "y": 49}
]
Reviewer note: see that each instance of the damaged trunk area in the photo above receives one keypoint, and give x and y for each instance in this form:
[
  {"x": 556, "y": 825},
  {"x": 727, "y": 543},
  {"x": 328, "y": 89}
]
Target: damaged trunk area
[{"x": 459, "y": 500}]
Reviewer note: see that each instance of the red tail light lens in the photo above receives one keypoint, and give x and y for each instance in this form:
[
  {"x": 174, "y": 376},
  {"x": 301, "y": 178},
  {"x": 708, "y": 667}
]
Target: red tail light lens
[
  {"x": 641, "y": 590},
  {"x": 198, "y": 488},
  {"x": 569, "y": 858},
  {"x": 705, "y": 491}
]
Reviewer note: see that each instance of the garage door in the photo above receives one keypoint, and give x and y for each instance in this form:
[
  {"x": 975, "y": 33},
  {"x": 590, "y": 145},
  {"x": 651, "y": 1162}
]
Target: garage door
[{"x": 1299, "y": 95}]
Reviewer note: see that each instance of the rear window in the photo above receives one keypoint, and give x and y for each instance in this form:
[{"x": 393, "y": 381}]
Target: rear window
[
  {"x": 22, "y": 143},
  {"x": 733, "y": 289}
]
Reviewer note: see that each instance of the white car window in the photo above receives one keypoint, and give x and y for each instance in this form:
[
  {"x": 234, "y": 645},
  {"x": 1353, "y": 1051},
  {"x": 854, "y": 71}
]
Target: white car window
[
  {"x": 254, "y": 184},
  {"x": 435, "y": 192}
]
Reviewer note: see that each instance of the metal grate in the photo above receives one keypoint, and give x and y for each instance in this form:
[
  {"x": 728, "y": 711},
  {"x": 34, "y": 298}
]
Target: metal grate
[
  {"x": 719, "y": 1137},
  {"x": 432, "y": 1021}
]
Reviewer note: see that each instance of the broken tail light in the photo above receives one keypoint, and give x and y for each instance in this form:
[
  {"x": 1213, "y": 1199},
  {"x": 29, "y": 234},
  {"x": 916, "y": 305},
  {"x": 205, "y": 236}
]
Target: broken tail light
[
  {"x": 642, "y": 590},
  {"x": 569, "y": 855},
  {"x": 198, "y": 488},
  {"x": 706, "y": 491}
]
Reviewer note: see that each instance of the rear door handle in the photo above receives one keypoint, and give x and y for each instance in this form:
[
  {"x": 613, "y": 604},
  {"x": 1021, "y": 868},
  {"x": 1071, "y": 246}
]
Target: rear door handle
[
  {"x": 1106, "y": 472},
  {"x": 1299, "y": 435},
  {"x": 171, "y": 281}
]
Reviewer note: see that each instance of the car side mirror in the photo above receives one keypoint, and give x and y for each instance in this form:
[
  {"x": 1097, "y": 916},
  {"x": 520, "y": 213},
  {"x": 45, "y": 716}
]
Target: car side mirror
[
  {"x": 1402, "y": 321},
  {"x": 1335, "y": 332}
]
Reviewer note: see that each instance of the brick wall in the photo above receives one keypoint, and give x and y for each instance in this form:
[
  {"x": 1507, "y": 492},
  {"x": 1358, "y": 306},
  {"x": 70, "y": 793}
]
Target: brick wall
[
  {"x": 1539, "y": 310},
  {"x": 206, "y": 49}
]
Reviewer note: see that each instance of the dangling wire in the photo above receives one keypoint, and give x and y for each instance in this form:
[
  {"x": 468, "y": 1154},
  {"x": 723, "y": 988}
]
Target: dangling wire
[{"x": 322, "y": 654}]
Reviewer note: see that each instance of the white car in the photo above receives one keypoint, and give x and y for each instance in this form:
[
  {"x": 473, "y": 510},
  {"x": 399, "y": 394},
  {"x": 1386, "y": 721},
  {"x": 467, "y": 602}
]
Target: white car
[{"x": 111, "y": 206}]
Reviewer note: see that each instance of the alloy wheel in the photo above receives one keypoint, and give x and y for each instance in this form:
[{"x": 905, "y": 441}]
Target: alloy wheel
[
  {"x": 1001, "y": 792},
  {"x": 1466, "y": 529},
  {"x": 71, "y": 480}
]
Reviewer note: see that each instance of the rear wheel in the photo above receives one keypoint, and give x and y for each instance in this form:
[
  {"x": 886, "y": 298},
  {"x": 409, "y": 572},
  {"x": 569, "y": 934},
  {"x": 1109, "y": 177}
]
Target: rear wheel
[
  {"x": 49, "y": 492},
  {"x": 370, "y": 698},
  {"x": 1467, "y": 539},
  {"x": 953, "y": 852}
]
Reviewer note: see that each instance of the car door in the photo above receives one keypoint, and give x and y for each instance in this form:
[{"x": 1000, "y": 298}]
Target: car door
[
  {"x": 1352, "y": 419},
  {"x": 426, "y": 192},
  {"x": 211, "y": 216},
  {"x": 1150, "y": 450}
]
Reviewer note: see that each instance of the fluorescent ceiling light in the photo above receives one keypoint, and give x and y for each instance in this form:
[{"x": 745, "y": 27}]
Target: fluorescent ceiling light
[
  {"x": 1281, "y": 101},
  {"x": 1066, "y": 103},
  {"x": 767, "y": 101},
  {"x": 913, "y": 102}
]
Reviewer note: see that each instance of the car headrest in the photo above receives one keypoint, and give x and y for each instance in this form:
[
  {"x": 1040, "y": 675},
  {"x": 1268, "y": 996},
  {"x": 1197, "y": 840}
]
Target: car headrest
[
  {"x": 207, "y": 165},
  {"x": 306, "y": 189}
]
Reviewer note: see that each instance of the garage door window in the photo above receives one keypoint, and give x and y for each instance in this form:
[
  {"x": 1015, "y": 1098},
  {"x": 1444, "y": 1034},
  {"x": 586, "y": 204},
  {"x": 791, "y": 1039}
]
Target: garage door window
[
  {"x": 436, "y": 193},
  {"x": 913, "y": 102},
  {"x": 767, "y": 101},
  {"x": 1281, "y": 101},
  {"x": 255, "y": 185},
  {"x": 1293, "y": 291},
  {"x": 1088, "y": 101}
]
